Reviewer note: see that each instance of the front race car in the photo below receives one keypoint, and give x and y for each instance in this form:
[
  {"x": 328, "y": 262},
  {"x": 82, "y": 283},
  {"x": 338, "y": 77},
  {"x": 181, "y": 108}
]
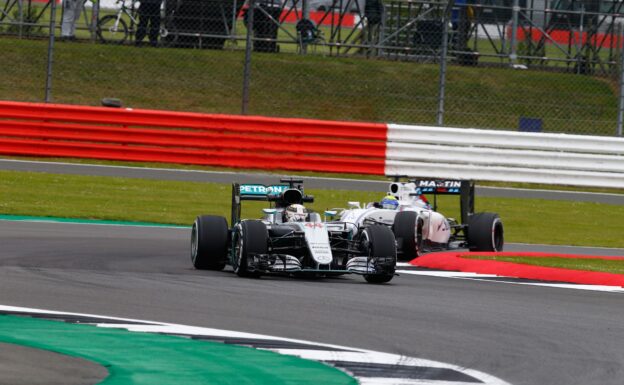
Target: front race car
[{"x": 277, "y": 243}]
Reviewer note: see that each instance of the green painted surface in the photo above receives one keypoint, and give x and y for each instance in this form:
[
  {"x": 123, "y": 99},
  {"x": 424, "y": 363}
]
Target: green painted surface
[
  {"x": 155, "y": 359},
  {"x": 85, "y": 221}
]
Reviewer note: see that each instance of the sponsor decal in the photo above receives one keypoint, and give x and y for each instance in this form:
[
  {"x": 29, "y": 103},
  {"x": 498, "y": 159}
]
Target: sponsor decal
[
  {"x": 439, "y": 186},
  {"x": 258, "y": 189},
  {"x": 318, "y": 242},
  {"x": 440, "y": 183}
]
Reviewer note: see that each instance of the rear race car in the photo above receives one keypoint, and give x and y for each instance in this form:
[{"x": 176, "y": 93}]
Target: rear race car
[
  {"x": 290, "y": 239},
  {"x": 417, "y": 225}
]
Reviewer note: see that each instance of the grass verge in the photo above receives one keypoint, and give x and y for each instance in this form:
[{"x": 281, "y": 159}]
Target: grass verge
[
  {"x": 125, "y": 199},
  {"x": 598, "y": 265}
]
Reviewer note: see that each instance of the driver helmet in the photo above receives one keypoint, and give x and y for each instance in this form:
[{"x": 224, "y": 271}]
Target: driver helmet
[
  {"x": 295, "y": 213},
  {"x": 389, "y": 202}
]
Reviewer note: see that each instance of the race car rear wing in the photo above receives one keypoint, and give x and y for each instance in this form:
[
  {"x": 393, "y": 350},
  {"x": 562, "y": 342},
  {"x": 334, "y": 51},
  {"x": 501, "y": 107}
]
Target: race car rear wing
[
  {"x": 464, "y": 188},
  {"x": 282, "y": 194}
]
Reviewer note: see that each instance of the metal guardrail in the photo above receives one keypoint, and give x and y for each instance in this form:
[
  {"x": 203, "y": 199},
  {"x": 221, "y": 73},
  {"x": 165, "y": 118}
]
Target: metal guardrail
[
  {"x": 57, "y": 130},
  {"x": 505, "y": 156},
  {"x": 256, "y": 142}
]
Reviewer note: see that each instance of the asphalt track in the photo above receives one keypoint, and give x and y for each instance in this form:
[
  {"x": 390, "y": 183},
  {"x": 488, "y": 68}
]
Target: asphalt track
[
  {"x": 522, "y": 334},
  {"x": 16, "y": 367},
  {"x": 264, "y": 178}
]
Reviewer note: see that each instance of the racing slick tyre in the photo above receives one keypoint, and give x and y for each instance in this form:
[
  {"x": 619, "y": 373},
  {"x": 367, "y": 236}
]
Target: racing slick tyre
[
  {"x": 408, "y": 230},
  {"x": 485, "y": 232},
  {"x": 251, "y": 237},
  {"x": 209, "y": 242},
  {"x": 377, "y": 242}
]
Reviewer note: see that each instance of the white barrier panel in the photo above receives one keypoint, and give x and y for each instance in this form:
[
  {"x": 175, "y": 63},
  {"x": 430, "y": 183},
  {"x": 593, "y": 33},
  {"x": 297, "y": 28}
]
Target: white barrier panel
[
  {"x": 504, "y": 174},
  {"x": 504, "y": 157},
  {"x": 441, "y": 152},
  {"x": 505, "y": 139}
]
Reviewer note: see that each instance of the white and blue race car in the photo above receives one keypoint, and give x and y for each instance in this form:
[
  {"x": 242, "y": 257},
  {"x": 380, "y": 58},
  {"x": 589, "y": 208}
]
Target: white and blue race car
[
  {"x": 417, "y": 225},
  {"x": 290, "y": 239}
]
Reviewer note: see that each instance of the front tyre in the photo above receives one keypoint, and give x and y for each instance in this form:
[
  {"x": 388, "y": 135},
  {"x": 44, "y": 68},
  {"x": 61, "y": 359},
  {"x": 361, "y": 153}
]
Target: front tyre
[
  {"x": 377, "y": 242},
  {"x": 112, "y": 30},
  {"x": 485, "y": 232},
  {"x": 250, "y": 237},
  {"x": 209, "y": 242}
]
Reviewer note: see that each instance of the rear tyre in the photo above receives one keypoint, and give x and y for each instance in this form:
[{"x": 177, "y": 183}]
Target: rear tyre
[
  {"x": 112, "y": 32},
  {"x": 408, "y": 230},
  {"x": 209, "y": 242},
  {"x": 377, "y": 242},
  {"x": 485, "y": 232},
  {"x": 251, "y": 237}
]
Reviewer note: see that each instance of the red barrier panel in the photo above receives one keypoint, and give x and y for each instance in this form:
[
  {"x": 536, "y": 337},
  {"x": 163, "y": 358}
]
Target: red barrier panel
[
  {"x": 209, "y": 158},
  {"x": 191, "y": 138},
  {"x": 152, "y": 118}
]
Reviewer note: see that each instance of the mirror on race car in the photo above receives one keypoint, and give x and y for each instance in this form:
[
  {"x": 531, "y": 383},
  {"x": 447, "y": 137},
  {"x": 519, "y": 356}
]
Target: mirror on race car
[
  {"x": 269, "y": 214},
  {"x": 354, "y": 205},
  {"x": 330, "y": 214}
]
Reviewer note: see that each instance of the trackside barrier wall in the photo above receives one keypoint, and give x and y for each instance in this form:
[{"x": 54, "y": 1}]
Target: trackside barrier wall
[
  {"x": 505, "y": 156},
  {"x": 309, "y": 145},
  {"x": 190, "y": 138}
]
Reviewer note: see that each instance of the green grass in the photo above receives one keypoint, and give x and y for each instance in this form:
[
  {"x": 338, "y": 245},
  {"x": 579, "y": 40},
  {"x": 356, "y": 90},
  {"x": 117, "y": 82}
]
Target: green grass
[
  {"x": 27, "y": 193},
  {"x": 40, "y": 194},
  {"x": 599, "y": 265},
  {"x": 312, "y": 86}
]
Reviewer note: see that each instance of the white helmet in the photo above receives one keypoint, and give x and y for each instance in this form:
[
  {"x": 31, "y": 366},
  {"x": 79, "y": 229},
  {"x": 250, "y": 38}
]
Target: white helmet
[{"x": 295, "y": 213}]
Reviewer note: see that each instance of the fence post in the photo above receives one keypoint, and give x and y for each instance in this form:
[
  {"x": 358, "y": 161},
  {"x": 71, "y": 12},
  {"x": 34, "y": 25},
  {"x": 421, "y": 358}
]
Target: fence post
[
  {"x": 48, "y": 86},
  {"x": 20, "y": 9},
  {"x": 620, "y": 116},
  {"x": 305, "y": 15},
  {"x": 95, "y": 17},
  {"x": 579, "y": 42},
  {"x": 248, "y": 48},
  {"x": 513, "y": 44},
  {"x": 443, "y": 56}
]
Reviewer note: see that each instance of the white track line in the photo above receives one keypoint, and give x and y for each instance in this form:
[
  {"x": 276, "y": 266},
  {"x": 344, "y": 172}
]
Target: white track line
[{"x": 484, "y": 278}]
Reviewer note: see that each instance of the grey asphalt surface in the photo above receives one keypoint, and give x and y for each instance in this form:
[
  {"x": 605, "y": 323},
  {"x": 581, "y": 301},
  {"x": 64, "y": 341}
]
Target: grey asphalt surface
[
  {"x": 522, "y": 334},
  {"x": 20, "y": 365},
  {"x": 263, "y": 178}
]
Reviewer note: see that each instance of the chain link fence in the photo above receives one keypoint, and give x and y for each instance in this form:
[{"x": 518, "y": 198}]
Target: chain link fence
[{"x": 529, "y": 65}]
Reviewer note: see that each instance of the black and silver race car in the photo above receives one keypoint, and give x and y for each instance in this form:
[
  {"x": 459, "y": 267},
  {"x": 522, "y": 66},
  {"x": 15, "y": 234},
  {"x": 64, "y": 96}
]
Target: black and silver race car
[{"x": 290, "y": 239}]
